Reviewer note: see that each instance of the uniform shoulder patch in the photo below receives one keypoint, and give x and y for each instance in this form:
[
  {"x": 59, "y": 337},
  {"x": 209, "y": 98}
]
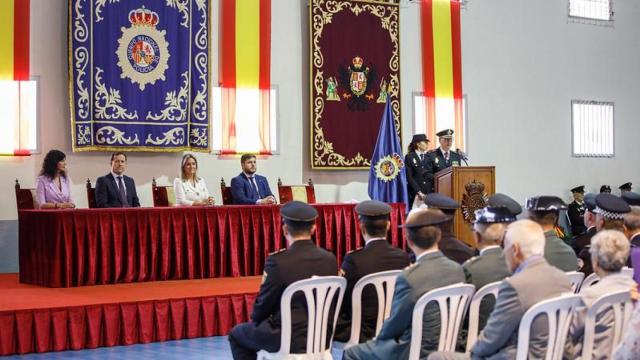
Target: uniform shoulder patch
[{"x": 278, "y": 251}]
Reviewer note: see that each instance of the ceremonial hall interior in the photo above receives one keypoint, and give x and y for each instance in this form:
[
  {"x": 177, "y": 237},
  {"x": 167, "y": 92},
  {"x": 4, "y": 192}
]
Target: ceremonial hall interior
[{"x": 439, "y": 119}]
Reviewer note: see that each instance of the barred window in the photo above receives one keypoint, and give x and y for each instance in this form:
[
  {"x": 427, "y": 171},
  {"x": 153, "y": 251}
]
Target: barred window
[
  {"x": 599, "y": 10},
  {"x": 592, "y": 128},
  {"x": 18, "y": 106}
]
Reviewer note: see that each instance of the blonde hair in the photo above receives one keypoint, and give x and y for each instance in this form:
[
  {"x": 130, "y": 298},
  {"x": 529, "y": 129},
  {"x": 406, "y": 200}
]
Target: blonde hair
[{"x": 186, "y": 158}]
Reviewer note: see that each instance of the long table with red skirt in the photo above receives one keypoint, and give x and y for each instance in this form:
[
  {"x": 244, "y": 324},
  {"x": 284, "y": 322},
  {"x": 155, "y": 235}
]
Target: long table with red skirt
[{"x": 79, "y": 247}]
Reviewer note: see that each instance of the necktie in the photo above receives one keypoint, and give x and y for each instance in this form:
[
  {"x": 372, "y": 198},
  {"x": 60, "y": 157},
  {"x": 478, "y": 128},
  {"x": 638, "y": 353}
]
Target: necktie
[
  {"x": 255, "y": 186},
  {"x": 422, "y": 157},
  {"x": 446, "y": 156},
  {"x": 121, "y": 192}
]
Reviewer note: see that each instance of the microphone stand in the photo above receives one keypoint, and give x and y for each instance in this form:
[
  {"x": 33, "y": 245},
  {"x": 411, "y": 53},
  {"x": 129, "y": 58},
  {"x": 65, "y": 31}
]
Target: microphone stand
[{"x": 462, "y": 156}]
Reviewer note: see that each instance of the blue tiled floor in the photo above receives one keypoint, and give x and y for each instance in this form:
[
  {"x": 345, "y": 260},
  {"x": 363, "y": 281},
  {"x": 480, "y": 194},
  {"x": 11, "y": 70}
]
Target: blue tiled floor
[{"x": 202, "y": 348}]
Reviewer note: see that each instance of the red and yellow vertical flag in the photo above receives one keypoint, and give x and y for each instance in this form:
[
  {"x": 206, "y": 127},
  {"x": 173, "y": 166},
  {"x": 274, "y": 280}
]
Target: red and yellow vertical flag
[
  {"x": 14, "y": 39},
  {"x": 442, "y": 67},
  {"x": 245, "y": 71}
]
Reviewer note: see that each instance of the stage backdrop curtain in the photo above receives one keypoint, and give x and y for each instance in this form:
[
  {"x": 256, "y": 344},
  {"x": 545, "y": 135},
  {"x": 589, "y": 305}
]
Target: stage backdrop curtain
[
  {"x": 139, "y": 75},
  {"x": 81, "y": 247},
  {"x": 355, "y": 66}
]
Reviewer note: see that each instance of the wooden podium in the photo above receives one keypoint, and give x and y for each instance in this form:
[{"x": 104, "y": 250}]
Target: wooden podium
[{"x": 470, "y": 186}]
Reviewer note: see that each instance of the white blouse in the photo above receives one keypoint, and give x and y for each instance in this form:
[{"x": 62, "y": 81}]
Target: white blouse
[{"x": 186, "y": 193}]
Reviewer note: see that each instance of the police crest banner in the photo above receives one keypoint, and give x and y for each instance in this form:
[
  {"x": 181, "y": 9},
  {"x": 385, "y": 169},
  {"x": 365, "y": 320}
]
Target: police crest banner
[
  {"x": 139, "y": 74},
  {"x": 355, "y": 67}
]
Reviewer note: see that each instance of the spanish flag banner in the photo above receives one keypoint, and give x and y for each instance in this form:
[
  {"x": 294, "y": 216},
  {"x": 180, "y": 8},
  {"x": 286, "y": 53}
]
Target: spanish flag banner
[
  {"x": 245, "y": 75},
  {"x": 442, "y": 67},
  {"x": 14, "y": 39}
]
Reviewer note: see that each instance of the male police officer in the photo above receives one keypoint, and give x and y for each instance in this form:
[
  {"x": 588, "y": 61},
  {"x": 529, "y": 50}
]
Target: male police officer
[
  {"x": 575, "y": 211},
  {"x": 444, "y": 157}
]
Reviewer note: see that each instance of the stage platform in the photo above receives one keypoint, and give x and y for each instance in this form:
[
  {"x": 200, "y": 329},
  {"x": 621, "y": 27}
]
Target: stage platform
[{"x": 40, "y": 319}]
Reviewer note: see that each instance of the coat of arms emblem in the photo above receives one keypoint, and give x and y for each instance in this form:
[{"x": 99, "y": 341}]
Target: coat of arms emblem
[{"x": 143, "y": 52}]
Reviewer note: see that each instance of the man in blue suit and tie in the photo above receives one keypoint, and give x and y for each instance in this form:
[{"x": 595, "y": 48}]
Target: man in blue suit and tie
[
  {"x": 116, "y": 189},
  {"x": 249, "y": 188}
]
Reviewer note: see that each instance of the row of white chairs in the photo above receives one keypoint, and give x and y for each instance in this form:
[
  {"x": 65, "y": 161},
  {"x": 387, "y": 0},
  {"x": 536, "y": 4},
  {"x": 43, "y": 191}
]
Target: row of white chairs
[
  {"x": 454, "y": 301},
  {"x": 579, "y": 282}
]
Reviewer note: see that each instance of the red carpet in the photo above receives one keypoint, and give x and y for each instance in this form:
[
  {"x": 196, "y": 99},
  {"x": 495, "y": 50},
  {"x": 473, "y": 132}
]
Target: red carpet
[{"x": 39, "y": 319}]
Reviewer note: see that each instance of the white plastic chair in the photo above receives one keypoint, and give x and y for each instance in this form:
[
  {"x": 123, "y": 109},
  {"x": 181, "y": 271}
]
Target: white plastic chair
[
  {"x": 385, "y": 284},
  {"x": 576, "y": 278},
  {"x": 319, "y": 292},
  {"x": 474, "y": 311},
  {"x": 619, "y": 303},
  {"x": 453, "y": 301},
  {"x": 593, "y": 277},
  {"x": 627, "y": 271},
  {"x": 559, "y": 312}
]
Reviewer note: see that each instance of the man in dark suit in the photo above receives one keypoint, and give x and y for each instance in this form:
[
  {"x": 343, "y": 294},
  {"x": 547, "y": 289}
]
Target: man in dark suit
[
  {"x": 377, "y": 255},
  {"x": 575, "y": 211},
  {"x": 301, "y": 260},
  {"x": 116, "y": 189},
  {"x": 450, "y": 246},
  {"x": 432, "y": 270},
  {"x": 444, "y": 157},
  {"x": 545, "y": 211},
  {"x": 419, "y": 176},
  {"x": 249, "y": 188}
]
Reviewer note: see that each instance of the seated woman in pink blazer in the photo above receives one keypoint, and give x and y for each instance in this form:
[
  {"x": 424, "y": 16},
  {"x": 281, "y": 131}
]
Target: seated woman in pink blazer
[{"x": 53, "y": 187}]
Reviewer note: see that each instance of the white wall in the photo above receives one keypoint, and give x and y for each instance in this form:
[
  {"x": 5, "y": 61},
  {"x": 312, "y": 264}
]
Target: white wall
[{"x": 522, "y": 64}]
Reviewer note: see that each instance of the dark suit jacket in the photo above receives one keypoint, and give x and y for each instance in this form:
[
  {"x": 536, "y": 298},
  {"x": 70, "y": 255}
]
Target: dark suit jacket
[
  {"x": 575, "y": 212},
  {"x": 300, "y": 261},
  {"x": 107, "y": 195},
  {"x": 243, "y": 192},
  {"x": 419, "y": 177},
  {"x": 455, "y": 249},
  {"x": 376, "y": 256}
]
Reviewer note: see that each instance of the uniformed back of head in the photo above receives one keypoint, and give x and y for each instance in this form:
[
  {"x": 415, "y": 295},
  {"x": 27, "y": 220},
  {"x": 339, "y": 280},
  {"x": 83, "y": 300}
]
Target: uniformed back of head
[
  {"x": 545, "y": 209},
  {"x": 610, "y": 211},
  {"x": 374, "y": 218},
  {"x": 490, "y": 224},
  {"x": 423, "y": 227},
  {"x": 299, "y": 219}
]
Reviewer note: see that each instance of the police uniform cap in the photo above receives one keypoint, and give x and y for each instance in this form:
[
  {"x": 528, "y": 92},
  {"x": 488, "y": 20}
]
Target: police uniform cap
[
  {"x": 611, "y": 206},
  {"x": 445, "y": 134},
  {"x": 625, "y": 186},
  {"x": 439, "y": 201},
  {"x": 504, "y": 200},
  {"x": 425, "y": 217},
  {"x": 494, "y": 214},
  {"x": 632, "y": 198},
  {"x": 545, "y": 203},
  {"x": 578, "y": 189},
  {"x": 605, "y": 189},
  {"x": 590, "y": 201},
  {"x": 298, "y": 211},
  {"x": 419, "y": 137},
  {"x": 373, "y": 208}
]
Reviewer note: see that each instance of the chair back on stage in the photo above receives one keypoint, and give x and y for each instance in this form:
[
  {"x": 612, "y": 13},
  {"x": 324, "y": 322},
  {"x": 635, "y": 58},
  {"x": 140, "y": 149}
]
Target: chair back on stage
[
  {"x": 227, "y": 198},
  {"x": 25, "y": 198},
  {"x": 91, "y": 195},
  {"x": 305, "y": 193},
  {"x": 162, "y": 195}
]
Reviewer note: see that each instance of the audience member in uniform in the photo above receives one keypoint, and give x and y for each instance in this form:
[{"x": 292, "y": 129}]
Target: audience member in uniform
[
  {"x": 489, "y": 266},
  {"x": 632, "y": 198},
  {"x": 53, "y": 186},
  {"x": 377, "y": 255},
  {"x": 450, "y": 246},
  {"x": 116, "y": 189},
  {"x": 432, "y": 270},
  {"x": 499, "y": 199},
  {"x": 300, "y": 261},
  {"x": 625, "y": 187},
  {"x": 609, "y": 253},
  {"x": 533, "y": 281},
  {"x": 605, "y": 189},
  {"x": 419, "y": 178},
  {"x": 545, "y": 211},
  {"x": 575, "y": 211},
  {"x": 190, "y": 189},
  {"x": 582, "y": 243},
  {"x": 249, "y": 188},
  {"x": 610, "y": 211}
]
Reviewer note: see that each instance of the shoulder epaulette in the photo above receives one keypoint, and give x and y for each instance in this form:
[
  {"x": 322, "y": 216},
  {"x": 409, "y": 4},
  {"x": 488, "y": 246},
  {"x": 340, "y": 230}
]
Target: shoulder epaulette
[{"x": 278, "y": 251}]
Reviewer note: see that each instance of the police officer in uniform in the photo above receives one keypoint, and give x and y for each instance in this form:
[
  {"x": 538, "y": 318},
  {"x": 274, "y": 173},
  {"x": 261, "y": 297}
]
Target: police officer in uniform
[
  {"x": 583, "y": 240},
  {"x": 377, "y": 255},
  {"x": 605, "y": 189},
  {"x": 575, "y": 211},
  {"x": 450, "y": 246},
  {"x": 419, "y": 177},
  {"x": 499, "y": 199},
  {"x": 444, "y": 157},
  {"x": 545, "y": 210},
  {"x": 625, "y": 187},
  {"x": 301, "y": 260}
]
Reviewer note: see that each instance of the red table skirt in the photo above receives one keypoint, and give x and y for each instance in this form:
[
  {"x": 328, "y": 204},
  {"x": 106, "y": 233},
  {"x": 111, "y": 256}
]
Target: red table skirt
[{"x": 65, "y": 248}]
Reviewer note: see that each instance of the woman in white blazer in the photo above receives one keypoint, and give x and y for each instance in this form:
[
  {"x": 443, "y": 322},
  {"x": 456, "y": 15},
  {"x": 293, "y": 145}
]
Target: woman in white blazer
[{"x": 189, "y": 188}]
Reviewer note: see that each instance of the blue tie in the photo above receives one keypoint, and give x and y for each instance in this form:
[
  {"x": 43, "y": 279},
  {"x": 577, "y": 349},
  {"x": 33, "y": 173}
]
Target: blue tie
[
  {"x": 255, "y": 186},
  {"x": 123, "y": 196}
]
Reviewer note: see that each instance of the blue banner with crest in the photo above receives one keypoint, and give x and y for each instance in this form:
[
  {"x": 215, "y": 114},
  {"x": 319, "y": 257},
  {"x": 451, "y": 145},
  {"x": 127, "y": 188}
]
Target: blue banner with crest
[{"x": 139, "y": 75}]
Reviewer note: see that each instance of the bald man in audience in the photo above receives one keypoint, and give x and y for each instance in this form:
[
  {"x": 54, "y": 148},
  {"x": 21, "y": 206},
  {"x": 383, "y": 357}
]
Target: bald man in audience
[
  {"x": 609, "y": 253},
  {"x": 533, "y": 281},
  {"x": 545, "y": 211}
]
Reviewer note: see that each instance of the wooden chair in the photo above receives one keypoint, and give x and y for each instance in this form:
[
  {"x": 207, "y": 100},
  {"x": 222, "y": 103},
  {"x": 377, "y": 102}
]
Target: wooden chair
[
  {"x": 25, "y": 198},
  {"x": 91, "y": 195},
  {"x": 162, "y": 195},
  {"x": 304, "y": 193},
  {"x": 227, "y": 198}
]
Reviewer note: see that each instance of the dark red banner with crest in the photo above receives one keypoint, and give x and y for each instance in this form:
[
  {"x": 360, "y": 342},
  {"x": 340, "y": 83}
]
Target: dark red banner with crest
[{"x": 355, "y": 66}]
